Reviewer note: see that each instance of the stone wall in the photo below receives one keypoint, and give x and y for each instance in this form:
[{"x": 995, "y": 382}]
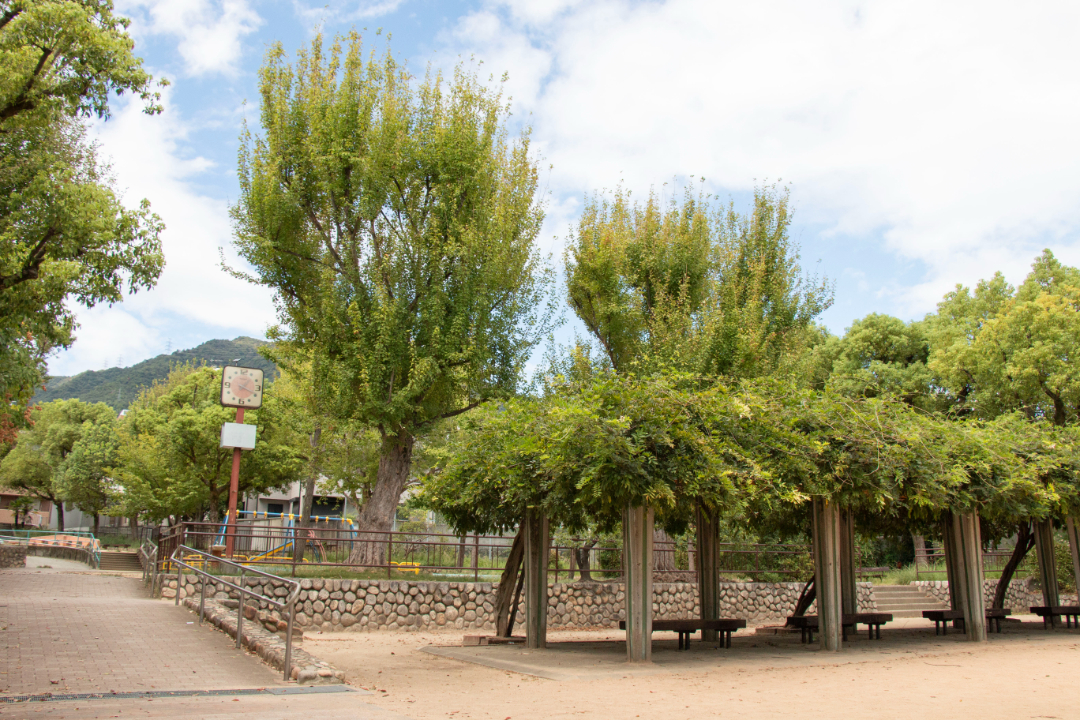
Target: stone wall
[
  {"x": 65, "y": 553},
  {"x": 1020, "y": 596},
  {"x": 334, "y": 605},
  {"x": 12, "y": 556}
]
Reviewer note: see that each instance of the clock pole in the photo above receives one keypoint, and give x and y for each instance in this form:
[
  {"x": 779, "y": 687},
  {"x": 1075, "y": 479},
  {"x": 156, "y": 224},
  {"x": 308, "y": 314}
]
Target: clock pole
[{"x": 234, "y": 490}]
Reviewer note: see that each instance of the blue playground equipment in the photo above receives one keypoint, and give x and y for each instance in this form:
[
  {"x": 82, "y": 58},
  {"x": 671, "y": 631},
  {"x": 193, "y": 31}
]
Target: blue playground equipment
[{"x": 283, "y": 551}]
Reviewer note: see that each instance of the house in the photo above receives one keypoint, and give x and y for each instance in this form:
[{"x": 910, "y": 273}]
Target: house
[
  {"x": 39, "y": 512},
  {"x": 289, "y": 502}
]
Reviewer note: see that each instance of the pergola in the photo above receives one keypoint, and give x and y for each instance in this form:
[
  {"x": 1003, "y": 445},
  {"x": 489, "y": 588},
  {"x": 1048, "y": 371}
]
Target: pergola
[{"x": 633, "y": 450}]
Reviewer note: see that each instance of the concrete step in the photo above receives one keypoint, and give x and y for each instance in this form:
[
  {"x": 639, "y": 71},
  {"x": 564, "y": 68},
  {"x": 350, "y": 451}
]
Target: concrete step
[
  {"x": 904, "y": 601},
  {"x": 120, "y": 560}
]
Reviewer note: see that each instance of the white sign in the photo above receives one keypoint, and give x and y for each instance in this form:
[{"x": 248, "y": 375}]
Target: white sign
[{"x": 237, "y": 435}]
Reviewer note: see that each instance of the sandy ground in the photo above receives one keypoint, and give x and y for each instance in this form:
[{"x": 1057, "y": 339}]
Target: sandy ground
[{"x": 1024, "y": 672}]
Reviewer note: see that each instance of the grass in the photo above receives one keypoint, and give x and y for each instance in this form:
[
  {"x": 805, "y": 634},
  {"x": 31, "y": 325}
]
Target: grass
[{"x": 119, "y": 541}]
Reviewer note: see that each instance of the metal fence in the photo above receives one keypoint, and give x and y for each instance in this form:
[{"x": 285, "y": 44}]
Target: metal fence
[
  {"x": 402, "y": 553},
  {"x": 994, "y": 561}
]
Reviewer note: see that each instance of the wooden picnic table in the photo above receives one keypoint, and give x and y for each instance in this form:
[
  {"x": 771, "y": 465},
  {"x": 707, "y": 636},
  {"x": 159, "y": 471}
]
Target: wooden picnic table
[
  {"x": 687, "y": 627},
  {"x": 942, "y": 618},
  {"x": 1071, "y": 613},
  {"x": 807, "y": 624}
]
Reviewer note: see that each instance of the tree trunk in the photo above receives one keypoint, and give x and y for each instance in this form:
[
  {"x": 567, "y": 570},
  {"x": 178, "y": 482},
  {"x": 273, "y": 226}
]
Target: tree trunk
[
  {"x": 1025, "y": 540},
  {"x": 581, "y": 555},
  {"x": 921, "y": 557},
  {"x": 517, "y": 601},
  {"x": 97, "y": 520},
  {"x": 376, "y": 519},
  {"x": 806, "y": 598},
  {"x": 663, "y": 555},
  {"x": 504, "y": 597},
  {"x": 300, "y": 544},
  {"x": 59, "y": 515}
]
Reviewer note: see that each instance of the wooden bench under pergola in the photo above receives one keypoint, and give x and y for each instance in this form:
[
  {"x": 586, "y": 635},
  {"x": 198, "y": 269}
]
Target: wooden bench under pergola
[{"x": 689, "y": 626}]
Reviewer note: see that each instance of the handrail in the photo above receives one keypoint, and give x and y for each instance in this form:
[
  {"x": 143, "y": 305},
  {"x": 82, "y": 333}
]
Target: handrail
[
  {"x": 92, "y": 549},
  {"x": 148, "y": 551},
  {"x": 289, "y": 603}
]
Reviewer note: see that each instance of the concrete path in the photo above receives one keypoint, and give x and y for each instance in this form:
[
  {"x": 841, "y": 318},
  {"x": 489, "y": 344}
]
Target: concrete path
[{"x": 82, "y": 633}]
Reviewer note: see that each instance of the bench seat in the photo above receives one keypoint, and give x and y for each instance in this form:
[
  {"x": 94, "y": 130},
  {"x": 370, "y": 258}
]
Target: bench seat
[
  {"x": 942, "y": 618},
  {"x": 689, "y": 626},
  {"x": 809, "y": 623},
  {"x": 1071, "y": 613}
]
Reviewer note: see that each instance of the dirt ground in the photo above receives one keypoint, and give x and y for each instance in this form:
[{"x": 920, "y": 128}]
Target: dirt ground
[{"x": 1025, "y": 672}]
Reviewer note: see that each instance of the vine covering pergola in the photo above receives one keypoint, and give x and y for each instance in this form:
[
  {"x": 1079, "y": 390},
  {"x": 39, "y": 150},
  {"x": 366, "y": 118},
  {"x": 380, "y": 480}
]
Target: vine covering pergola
[{"x": 676, "y": 449}]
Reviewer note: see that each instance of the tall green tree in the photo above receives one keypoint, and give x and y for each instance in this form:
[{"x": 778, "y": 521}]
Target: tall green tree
[
  {"x": 169, "y": 462},
  {"x": 65, "y": 237},
  {"x": 1000, "y": 349},
  {"x": 61, "y": 434},
  {"x": 696, "y": 287},
  {"x": 395, "y": 218}
]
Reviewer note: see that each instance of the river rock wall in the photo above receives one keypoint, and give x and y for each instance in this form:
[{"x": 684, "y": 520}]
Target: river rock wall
[{"x": 336, "y": 605}]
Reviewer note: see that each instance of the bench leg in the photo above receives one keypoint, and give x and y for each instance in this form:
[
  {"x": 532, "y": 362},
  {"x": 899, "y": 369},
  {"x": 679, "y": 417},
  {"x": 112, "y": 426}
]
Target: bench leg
[
  {"x": 879, "y": 632},
  {"x": 727, "y": 643}
]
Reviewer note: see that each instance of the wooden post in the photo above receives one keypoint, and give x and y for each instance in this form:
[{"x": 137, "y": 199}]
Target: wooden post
[
  {"x": 707, "y": 565},
  {"x": 968, "y": 556},
  {"x": 638, "y": 569},
  {"x": 536, "y": 586},
  {"x": 1044, "y": 549},
  {"x": 849, "y": 590},
  {"x": 949, "y": 543},
  {"x": 826, "y": 537},
  {"x": 1074, "y": 546}
]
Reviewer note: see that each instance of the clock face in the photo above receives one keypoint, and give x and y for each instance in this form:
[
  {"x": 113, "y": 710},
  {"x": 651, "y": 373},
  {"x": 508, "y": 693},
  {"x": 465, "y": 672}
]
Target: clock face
[{"x": 241, "y": 387}]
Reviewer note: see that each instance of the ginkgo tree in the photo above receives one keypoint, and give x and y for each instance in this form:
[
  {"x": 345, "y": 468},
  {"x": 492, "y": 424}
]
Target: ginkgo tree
[{"x": 395, "y": 219}]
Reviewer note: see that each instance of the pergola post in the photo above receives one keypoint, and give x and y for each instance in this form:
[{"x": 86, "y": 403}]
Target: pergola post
[
  {"x": 849, "y": 592},
  {"x": 968, "y": 553},
  {"x": 1044, "y": 550},
  {"x": 637, "y": 568},
  {"x": 536, "y": 586},
  {"x": 949, "y": 544},
  {"x": 826, "y": 541},
  {"x": 1074, "y": 546},
  {"x": 707, "y": 567}
]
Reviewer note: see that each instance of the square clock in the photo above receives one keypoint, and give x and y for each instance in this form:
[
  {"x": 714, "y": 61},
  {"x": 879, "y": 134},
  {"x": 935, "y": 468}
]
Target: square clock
[{"x": 241, "y": 387}]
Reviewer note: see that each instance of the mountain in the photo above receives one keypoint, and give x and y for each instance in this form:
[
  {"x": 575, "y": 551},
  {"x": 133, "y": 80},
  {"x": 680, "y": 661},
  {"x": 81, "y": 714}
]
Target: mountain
[{"x": 117, "y": 387}]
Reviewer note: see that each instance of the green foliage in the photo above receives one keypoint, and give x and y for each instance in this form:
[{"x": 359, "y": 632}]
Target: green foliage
[
  {"x": 998, "y": 349},
  {"x": 169, "y": 460},
  {"x": 63, "y": 454},
  {"x": 65, "y": 236},
  {"x": 693, "y": 287},
  {"x": 878, "y": 355},
  {"x": 66, "y": 57},
  {"x": 395, "y": 220},
  {"x": 118, "y": 387}
]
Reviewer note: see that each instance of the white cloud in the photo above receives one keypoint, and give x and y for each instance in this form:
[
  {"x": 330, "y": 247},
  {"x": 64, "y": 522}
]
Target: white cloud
[
  {"x": 319, "y": 14},
  {"x": 948, "y": 129},
  {"x": 148, "y": 161},
  {"x": 208, "y": 32}
]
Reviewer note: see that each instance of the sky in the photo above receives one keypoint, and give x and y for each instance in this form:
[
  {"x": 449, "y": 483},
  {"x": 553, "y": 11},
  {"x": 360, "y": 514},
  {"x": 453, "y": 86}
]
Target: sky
[{"x": 925, "y": 144}]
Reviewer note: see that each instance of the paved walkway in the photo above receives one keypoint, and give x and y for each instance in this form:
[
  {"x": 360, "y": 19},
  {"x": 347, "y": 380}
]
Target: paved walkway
[{"x": 80, "y": 633}]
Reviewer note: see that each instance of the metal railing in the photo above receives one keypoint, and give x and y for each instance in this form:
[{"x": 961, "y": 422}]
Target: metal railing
[
  {"x": 79, "y": 541},
  {"x": 148, "y": 558},
  {"x": 475, "y": 557},
  {"x": 994, "y": 561},
  {"x": 208, "y": 560}
]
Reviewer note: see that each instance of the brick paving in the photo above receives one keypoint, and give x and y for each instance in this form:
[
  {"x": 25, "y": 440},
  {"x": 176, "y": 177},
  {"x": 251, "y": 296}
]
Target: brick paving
[{"x": 68, "y": 632}]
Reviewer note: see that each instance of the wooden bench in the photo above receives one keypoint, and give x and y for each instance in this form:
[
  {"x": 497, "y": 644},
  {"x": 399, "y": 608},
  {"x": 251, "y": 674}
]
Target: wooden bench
[
  {"x": 1071, "y": 613},
  {"x": 686, "y": 628},
  {"x": 807, "y": 624},
  {"x": 942, "y": 618}
]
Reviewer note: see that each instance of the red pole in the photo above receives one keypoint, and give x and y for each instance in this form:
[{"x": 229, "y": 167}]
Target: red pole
[{"x": 234, "y": 490}]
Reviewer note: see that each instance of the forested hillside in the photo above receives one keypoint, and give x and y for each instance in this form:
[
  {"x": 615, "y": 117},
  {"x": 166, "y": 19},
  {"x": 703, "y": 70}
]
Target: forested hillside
[{"x": 119, "y": 386}]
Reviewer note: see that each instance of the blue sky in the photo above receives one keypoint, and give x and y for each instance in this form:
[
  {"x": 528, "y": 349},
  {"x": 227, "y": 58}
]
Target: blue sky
[{"x": 926, "y": 144}]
